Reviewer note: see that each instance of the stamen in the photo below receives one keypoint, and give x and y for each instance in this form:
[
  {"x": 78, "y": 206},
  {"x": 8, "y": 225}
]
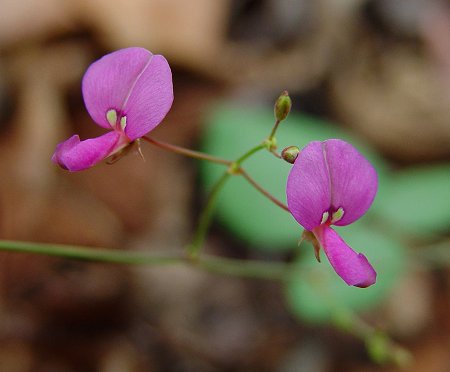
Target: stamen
[
  {"x": 111, "y": 116},
  {"x": 123, "y": 122},
  {"x": 336, "y": 216},
  {"x": 139, "y": 150},
  {"x": 324, "y": 217}
]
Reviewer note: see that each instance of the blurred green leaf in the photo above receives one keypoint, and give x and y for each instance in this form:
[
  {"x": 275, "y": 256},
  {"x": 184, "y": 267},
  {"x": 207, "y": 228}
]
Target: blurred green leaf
[
  {"x": 231, "y": 131},
  {"x": 315, "y": 293},
  {"x": 417, "y": 200}
]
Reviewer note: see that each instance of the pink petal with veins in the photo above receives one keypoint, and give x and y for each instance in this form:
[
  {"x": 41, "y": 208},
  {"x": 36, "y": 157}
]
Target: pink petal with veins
[
  {"x": 308, "y": 186},
  {"x": 135, "y": 83},
  {"x": 354, "y": 180},
  {"x": 108, "y": 82},
  {"x": 150, "y": 99}
]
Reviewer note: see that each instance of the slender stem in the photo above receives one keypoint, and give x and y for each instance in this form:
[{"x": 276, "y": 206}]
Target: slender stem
[
  {"x": 91, "y": 254},
  {"x": 186, "y": 152},
  {"x": 244, "y": 268},
  {"x": 275, "y": 153},
  {"x": 205, "y": 217},
  {"x": 203, "y": 156},
  {"x": 381, "y": 348},
  {"x": 350, "y": 322},
  {"x": 234, "y": 167},
  {"x": 237, "y": 163},
  {"x": 258, "y": 187},
  {"x": 194, "y": 248},
  {"x": 274, "y": 130},
  {"x": 219, "y": 265}
]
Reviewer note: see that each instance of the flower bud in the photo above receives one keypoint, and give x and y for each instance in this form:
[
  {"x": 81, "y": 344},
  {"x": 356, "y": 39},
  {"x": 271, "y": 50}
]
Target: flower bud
[
  {"x": 290, "y": 154},
  {"x": 282, "y": 106}
]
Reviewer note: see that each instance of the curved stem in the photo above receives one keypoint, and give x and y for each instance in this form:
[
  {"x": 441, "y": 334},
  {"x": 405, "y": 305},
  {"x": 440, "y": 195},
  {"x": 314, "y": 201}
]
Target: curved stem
[
  {"x": 275, "y": 153},
  {"x": 207, "y": 157},
  {"x": 234, "y": 167},
  {"x": 263, "y": 191},
  {"x": 194, "y": 248},
  {"x": 381, "y": 348},
  {"x": 186, "y": 152},
  {"x": 249, "y": 153}
]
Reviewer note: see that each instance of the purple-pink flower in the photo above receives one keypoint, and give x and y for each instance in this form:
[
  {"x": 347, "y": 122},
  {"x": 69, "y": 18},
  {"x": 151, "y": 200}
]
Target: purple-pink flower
[
  {"x": 128, "y": 92},
  {"x": 331, "y": 183}
]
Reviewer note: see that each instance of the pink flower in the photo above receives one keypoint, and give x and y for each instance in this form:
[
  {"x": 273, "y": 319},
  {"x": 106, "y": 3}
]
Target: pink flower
[
  {"x": 331, "y": 183},
  {"x": 128, "y": 92}
]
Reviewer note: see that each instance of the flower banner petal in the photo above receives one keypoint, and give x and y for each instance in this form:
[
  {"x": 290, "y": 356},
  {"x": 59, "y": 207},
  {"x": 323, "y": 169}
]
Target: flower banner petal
[
  {"x": 150, "y": 99},
  {"x": 352, "y": 267},
  {"x": 308, "y": 187},
  {"x": 108, "y": 82},
  {"x": 353, "y": 180},
  {"x": 75, "y": 155}
]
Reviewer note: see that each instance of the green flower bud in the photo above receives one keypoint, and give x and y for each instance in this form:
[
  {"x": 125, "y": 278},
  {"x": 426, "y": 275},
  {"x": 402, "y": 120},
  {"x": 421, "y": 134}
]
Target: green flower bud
[
  {"x": 290, "y": 154},
  {"x": 282, "y": 106}
]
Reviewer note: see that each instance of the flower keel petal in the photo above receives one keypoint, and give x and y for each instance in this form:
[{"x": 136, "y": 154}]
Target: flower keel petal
[
  {"x": 352, "y": 267},
  {"x": 75, "y": 155}
]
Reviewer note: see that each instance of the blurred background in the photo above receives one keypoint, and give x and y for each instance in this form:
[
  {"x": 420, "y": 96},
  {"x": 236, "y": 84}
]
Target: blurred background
[{"x": 375, "y": 72}]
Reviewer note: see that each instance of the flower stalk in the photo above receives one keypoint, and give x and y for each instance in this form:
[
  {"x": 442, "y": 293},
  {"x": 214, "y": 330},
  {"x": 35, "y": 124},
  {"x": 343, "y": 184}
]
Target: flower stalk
[
  {"x": 220, "y": 265},
  {"x": 193, "y": 250},
  {"x": 186, "y": 152}
]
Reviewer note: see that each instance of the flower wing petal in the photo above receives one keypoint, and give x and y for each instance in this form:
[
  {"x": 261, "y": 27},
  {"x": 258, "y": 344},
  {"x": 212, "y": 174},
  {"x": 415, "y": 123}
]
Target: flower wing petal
[
  {"x": 108, "y": 82},
  {"x": 308, "y": 186},
  {"x": 352, "y": 267},
  {"x": 75, "y": 155},
  {"x": 150, "y": 99},
  {"x": 353, "y": 180}
]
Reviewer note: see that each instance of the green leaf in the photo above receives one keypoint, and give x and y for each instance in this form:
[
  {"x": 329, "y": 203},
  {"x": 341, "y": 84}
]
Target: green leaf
[
  {"x": 230, "y": 132},
  {"x": 417, "y": 200},
  {"x": 315, "y": 293}
]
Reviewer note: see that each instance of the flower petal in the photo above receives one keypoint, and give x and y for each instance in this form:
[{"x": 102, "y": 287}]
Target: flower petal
[
  {"x": 75, "y": 155},
  {"x": 308, "y": 187},
  {"x": 353, "y": 180},
  {"x": 352, "y": 267},
  {"x": 108, "y": 82},
  {"x": 150, "y": 99}
]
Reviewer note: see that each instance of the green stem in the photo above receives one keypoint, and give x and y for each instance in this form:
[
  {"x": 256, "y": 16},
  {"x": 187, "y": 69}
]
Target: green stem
[
  {"x": 90, "y": 254},
  {"x": 274, "y": 130},
  {"x": 381, "y": 348},
  {"x": 219, "y": 265},
  {"x": 237, "y": 163},
  {"x": 263, "y": 191},
  {"x": 234, "y": 167},
  {"x": 244, "y": 268},
  {"x": 194, "y": 248},
  {"x": 186, "y": 152}
]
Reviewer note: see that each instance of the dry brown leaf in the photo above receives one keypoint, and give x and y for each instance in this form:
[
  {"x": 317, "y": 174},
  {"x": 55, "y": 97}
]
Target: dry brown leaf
[
  {"x": 395, "y": 100},
  {"x": 187, "y": 32},
  {"x": 32, "y": 19}
]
